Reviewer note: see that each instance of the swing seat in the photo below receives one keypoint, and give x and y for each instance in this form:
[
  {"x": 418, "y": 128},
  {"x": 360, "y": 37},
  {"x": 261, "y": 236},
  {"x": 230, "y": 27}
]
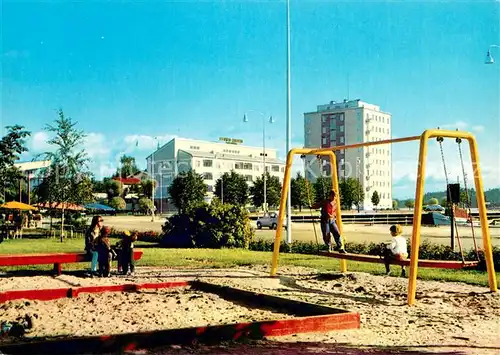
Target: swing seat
[{"x": 438, "y": 264}]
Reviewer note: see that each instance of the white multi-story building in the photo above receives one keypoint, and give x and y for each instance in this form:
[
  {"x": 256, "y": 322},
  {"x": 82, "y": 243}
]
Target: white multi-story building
[
  {"x": 350, "y": 122},
  {"x": 212, "y": 160}
]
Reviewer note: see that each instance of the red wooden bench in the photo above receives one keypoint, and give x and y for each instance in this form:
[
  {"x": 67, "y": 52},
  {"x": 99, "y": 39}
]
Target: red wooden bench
[{"x": 50, "y": 258}]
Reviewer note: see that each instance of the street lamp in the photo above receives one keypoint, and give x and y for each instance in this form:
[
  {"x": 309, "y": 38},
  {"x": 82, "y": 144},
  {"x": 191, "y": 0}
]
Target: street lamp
[
  {"x": 288, "y": 122},
  {"x": 271, "y": 120},
  {"x": 153, "y": 180},
  {"x": 489, "y": 57}
]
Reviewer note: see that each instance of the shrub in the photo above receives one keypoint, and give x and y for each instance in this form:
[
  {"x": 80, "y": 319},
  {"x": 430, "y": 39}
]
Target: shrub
[
  {"x": 214, "y": 225},
  {"x": 145, "y": 205},
  {"x": 118, "y": 203}
]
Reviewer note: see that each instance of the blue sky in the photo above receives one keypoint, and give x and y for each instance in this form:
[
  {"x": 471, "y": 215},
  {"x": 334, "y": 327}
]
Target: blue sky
[{"x": 130, "y": 71}]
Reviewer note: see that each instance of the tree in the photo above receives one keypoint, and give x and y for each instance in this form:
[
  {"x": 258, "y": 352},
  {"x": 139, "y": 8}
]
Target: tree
[
  {"x": 273, "y": 191},
  {"x": 322, "y": 188},
  {"x": 113, "y": 188},
  {"x": 433, "y": 201},
  {"x": 410, "y": 204},
  {"x": 444, "y": 201},
  {"x": 186, "y": 190},
  {"x": 351, "y": 193},
  {"x": 128, "y": 166},
  {"x": 99, "y": 186},
  {"x": 375, "y": 198},
  {"x": 302, "y": 191},
  {"x": 12, "y": 145},
  {"x": 145, "y": 205},
  {"x": 232, "y": 188},
  {"x": 118, "y": 203},
  {"x": 68, "y": 175},
  {"x": 395, "y": 204},
  {"x": 148, "y": 187}
]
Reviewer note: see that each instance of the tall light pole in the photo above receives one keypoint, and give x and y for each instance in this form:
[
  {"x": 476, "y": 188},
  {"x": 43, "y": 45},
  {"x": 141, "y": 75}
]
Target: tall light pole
[
  {"x": 288, "y": 122},
  {"x": 489, "y": 57},
  {"x": 271, "y": 120},
  {"x": 153, "y": 181}
]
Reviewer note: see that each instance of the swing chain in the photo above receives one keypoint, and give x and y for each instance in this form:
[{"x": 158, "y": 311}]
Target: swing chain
[
  {"x": 440, "y": 140},
  {"x": 309, "y": 199},
  {"x": 467, "y": 196},
  {"x": 468, "y": 202}
]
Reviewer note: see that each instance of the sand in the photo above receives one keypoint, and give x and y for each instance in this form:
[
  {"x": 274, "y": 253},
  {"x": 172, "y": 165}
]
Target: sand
[
  {"x": 447, "y": 315},
  {"x": 147, "y": 310}
]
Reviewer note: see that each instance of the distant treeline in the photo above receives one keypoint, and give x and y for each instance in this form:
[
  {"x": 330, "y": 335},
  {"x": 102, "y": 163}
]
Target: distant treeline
[{"x": 492, "y": 196}]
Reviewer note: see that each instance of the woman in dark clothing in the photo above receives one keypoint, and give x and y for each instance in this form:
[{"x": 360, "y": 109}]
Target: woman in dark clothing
[{"x": 91, "y": 237}]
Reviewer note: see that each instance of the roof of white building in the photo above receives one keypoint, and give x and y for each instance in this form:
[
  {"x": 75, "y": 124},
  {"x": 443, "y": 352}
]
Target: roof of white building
[
  {"x": 200, "y": 154},
  {"x": 207, "y": 142},
  {"x": 32, "y": 165}
]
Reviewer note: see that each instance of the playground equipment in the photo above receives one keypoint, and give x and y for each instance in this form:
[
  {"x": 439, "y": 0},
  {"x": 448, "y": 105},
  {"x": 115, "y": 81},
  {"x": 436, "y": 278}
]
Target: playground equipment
[{"x": 417, "y": 214}]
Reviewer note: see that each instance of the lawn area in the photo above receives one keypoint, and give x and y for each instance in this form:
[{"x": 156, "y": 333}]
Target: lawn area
[{"x": 225, "y": 258}]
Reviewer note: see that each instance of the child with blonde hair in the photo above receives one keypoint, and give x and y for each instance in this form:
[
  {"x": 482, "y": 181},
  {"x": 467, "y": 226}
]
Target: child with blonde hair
[{"x": 398, "y": 249}]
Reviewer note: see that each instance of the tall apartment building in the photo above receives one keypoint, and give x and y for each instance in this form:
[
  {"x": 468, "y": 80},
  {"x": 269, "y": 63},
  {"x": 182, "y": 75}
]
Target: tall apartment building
[
  {"x": 212, "y": 160},
  {"x": 350, "y": 122}
]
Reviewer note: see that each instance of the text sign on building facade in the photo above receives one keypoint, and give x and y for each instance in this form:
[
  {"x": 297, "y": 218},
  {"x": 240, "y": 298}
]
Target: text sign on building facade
[{"x": 231, "y": 140}]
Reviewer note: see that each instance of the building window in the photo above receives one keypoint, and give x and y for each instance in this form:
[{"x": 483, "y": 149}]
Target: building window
[
  {"x": 324, "y": 140},
  {"x": 194, "y": 147},
  {"x": 247, "y": 166},
  {"x": 208, "y": 176},
  {"x": 341, "y": 140},
  {"x": 198, "y": 164},
  {"x": 276, "y": 168},
  {"x": 207, "y": 163},
  {"x": 324, "y": 129},
  {"x": 282, "y": 169},
  {"x": 210, "y": 188},
  {"x": 248, "y": 178},
  {"x": 341, "y": 128}
]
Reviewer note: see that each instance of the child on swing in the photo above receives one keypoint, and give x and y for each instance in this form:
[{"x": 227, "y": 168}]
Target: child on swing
[
  {"x": 328, "y": 222},
  {"x": 397, "y": 250}
]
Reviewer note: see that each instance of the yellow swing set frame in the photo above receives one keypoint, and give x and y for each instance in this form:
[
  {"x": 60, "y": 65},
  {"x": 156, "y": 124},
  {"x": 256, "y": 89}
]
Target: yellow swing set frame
[{"x": 417, "y": 212}]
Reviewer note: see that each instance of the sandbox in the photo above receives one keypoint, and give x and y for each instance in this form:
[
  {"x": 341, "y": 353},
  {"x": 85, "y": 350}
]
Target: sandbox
[{"x": 178, "y": 316}]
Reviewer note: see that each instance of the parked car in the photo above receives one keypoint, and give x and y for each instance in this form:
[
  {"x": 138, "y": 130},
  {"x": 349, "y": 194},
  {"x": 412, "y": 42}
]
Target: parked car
[
  {"x": 269, "y": 220},
  {"x": 432, "y": 208}
]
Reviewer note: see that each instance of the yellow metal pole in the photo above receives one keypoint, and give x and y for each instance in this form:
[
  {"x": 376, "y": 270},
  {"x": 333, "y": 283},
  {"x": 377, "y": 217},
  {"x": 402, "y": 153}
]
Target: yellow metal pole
[
  {"x": 483, "y": 218},
  {"x": 284, "y": 194},
  {"x": 417, "y": 217},
  {"x": 335, "y": 186},
  {"x": 365, "y": 144}
]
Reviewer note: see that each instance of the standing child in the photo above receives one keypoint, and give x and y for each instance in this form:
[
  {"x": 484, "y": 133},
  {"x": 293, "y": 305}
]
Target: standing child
[
  {"x": 127, "y": 252},
  {"x": 397, "y": 251},
  {"x": 104, "y": 252}
]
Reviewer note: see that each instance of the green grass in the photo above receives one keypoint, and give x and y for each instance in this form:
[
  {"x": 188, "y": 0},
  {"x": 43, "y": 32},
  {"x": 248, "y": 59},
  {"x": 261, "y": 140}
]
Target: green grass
[{"x": 225, "y": 258}]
